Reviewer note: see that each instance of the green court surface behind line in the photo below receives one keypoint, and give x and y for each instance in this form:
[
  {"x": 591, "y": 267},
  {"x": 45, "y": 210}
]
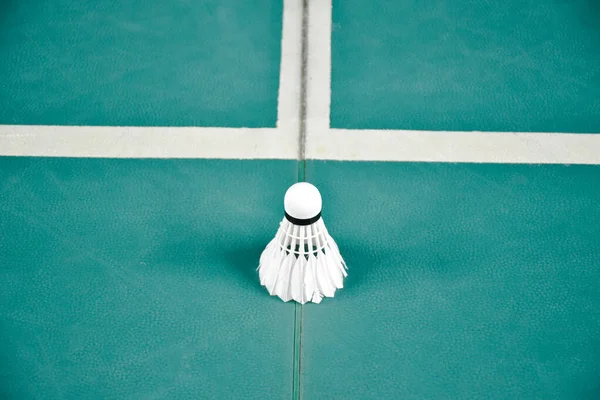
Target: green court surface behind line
[
  {"x": 466, "y": 65},
  {"x": 135, "y": 63}
]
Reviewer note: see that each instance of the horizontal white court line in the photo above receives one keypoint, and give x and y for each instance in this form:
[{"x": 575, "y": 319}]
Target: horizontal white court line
[
  {"x": 272, "y": 143},
  {"x": 147, "y": 142},
  {"x": 438, "y": 146}
]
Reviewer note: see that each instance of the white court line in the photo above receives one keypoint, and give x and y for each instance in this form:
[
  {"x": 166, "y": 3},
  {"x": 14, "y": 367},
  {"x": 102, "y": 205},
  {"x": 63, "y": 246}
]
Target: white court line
[
  {"x": 181, "y": 142},
  {"x": 282, "y": 142},
  {"x": 318, "y": 85},
  {"x": 414, "y": 146},
  {"x": 475, "y": 147},
  {"x": 290, "y": 70},
  {"x": 146, "y": 142}
]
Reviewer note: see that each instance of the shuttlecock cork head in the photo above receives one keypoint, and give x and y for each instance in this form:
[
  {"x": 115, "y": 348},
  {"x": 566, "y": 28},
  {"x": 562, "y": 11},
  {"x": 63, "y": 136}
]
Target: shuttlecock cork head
[{"x": 302, "y": 204}]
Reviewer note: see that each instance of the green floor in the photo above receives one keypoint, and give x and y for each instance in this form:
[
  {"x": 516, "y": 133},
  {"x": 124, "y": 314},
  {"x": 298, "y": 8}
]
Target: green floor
[
  {"x": 465, "y": 282},
  {"x": 135, "y": 279},
  {"x": 466, "y": 65},
  {"x": 136, "y": 63}
]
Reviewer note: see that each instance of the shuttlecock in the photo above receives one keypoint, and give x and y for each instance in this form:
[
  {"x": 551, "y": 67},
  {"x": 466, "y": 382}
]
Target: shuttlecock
[{"x": 302, "y": 263}]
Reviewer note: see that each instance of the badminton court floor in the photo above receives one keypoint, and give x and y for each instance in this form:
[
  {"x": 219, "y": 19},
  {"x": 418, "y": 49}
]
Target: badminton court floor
[{"x": 145, "y": 150}]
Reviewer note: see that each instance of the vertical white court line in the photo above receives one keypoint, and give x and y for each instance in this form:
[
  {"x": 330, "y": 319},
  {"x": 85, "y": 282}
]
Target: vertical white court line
[
  {"x": 288, "y": 104},
  {"x": 318, "y": 83}
]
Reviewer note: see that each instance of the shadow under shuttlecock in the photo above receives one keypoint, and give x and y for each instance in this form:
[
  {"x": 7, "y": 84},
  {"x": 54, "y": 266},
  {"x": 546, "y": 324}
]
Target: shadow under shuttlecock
[
  {"x": 188, "y": 252},
  {"x": 356, "y": 277},
  {"x": 244, "y": 262},
  {"x": 357, "y": 274}
]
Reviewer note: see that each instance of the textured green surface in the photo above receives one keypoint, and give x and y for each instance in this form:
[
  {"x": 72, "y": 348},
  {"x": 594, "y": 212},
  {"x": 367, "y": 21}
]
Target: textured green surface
[
  {"x": 135, "y": 279},
  {"x": 466, "y": 282},
  {"x": 206, "y": 63},
  {"x": 516, "y": 65}
]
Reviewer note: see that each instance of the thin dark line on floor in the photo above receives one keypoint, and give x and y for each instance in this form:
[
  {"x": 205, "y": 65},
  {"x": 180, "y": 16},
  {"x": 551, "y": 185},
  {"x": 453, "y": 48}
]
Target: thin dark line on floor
[{"x": 297, "y": 386}]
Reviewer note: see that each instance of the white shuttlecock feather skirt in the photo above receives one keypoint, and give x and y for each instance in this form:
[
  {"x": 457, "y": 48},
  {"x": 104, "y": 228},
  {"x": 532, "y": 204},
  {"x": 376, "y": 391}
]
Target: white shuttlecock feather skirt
[{"x": 302, "y": 263}]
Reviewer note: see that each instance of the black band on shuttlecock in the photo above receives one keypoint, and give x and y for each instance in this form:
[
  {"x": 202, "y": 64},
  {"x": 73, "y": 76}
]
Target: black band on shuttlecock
[{"x": 302, "y": 222}]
